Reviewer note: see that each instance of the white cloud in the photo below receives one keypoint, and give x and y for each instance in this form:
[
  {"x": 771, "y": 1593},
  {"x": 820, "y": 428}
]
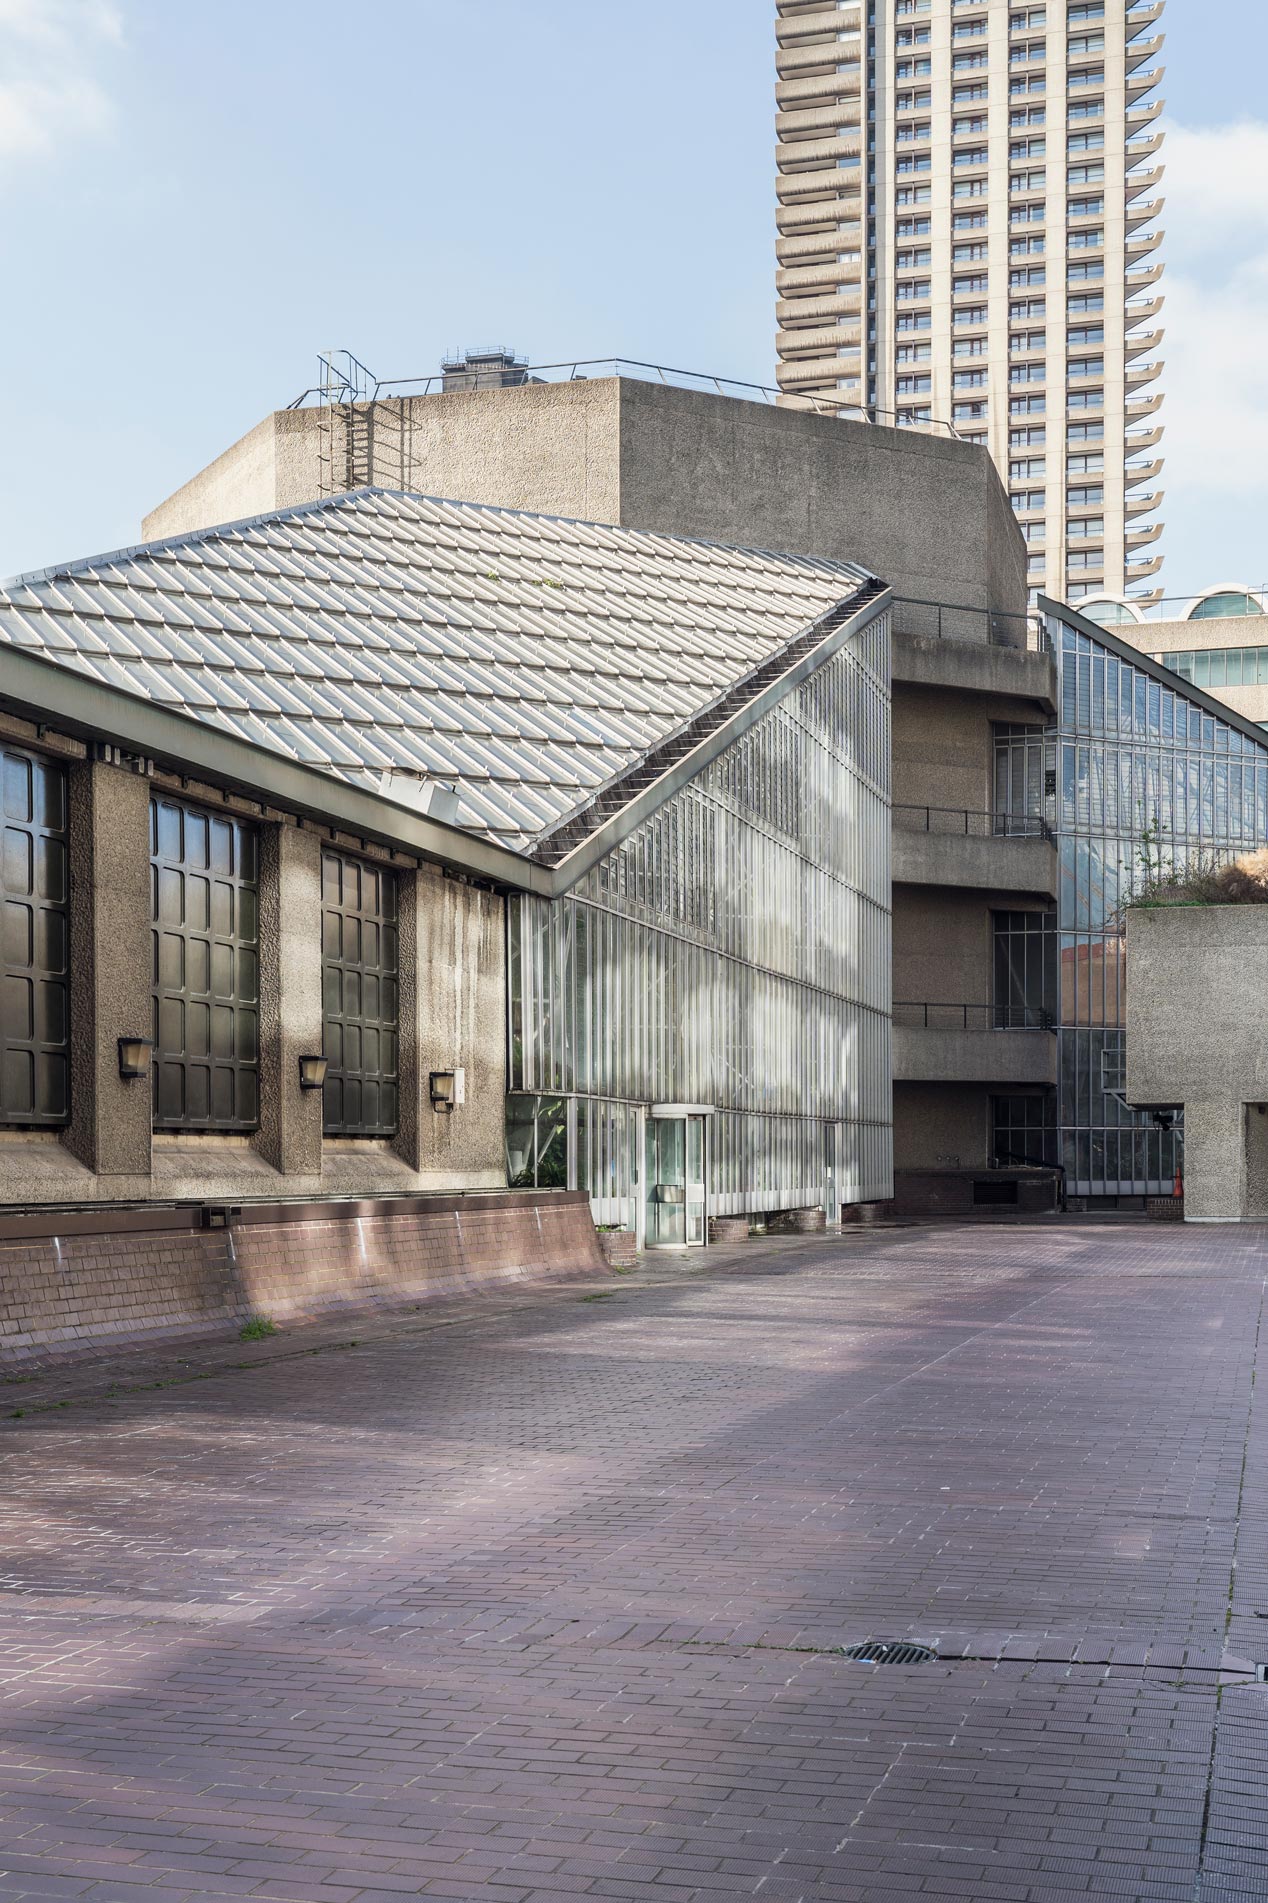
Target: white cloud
[
  {"x": 51, "y": 94},
  {"x": 1216, "y": 319}
]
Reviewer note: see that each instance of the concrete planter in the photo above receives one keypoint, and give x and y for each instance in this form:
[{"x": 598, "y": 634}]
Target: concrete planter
[{"x": 1197, "y": 977}]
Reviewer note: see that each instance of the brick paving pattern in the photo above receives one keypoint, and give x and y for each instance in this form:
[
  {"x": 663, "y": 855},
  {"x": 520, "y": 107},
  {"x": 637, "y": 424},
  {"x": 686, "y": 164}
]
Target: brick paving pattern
[{"x": 548, "y": 1603}]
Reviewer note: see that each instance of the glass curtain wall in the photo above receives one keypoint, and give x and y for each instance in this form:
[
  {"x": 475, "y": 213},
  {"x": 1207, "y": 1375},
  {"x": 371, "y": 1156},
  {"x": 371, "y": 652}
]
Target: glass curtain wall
[
  {"x": 733, "y": 952},
  {"x": 1135, "y": 777}
]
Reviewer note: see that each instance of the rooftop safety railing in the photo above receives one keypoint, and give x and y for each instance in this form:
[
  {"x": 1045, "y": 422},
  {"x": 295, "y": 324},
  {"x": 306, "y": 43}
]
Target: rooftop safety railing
[
  {"x": 972, "y": 1017},
  {"x": 344, "y": 379},
  {"x": 964, "y": 823},
  {"x": 941, "y": 621}
]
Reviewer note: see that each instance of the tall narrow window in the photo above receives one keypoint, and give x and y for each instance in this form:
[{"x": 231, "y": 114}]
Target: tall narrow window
[
  {"x": 34, "y": 1055},
  {"x": 206, "y": 969},
  {"x": 361, "y": 993}
]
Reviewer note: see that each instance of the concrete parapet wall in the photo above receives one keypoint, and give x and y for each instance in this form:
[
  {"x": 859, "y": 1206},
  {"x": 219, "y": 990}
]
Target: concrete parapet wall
[
  {"x": 161, "y": 1274},
  {"x": 1197, "y": 977}
]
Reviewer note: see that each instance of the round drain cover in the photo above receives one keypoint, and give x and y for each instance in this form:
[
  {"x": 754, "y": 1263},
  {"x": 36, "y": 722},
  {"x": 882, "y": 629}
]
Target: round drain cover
[{"x": 890, "y": 1652}]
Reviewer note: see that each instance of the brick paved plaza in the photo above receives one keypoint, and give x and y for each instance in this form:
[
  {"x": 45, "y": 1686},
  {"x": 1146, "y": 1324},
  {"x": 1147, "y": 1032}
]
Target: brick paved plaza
[{"x": 547, "y": 1602}]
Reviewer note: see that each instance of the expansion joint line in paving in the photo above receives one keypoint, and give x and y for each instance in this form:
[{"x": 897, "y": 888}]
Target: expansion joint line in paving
[{"x": 1199, "y": 1878}]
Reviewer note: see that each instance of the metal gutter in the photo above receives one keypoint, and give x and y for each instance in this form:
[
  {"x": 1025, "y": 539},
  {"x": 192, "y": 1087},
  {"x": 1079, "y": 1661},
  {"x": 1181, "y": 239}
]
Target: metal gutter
[{"x": 840, "y": 627}]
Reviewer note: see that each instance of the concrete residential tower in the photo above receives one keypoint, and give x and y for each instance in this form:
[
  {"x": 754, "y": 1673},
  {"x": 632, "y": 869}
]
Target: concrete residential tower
[{"x": 967, "y": 204}]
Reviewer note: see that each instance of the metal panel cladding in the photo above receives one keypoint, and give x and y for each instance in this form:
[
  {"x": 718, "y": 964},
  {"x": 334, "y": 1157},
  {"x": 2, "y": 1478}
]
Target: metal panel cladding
[
  {"x": 34, "y": 1053},
  {"x": 204, "y": 913}
]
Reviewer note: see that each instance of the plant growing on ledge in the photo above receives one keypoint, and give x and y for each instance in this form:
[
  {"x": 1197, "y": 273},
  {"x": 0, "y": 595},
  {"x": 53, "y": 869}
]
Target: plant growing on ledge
[{"x": 1240, "y": 881}]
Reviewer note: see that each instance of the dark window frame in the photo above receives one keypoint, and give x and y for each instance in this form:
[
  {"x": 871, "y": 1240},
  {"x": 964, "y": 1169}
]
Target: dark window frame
[
  {"x": 205, "y": 970},
  {"x": 361, "y": 996},
  {"x": 34, "y": 941}
]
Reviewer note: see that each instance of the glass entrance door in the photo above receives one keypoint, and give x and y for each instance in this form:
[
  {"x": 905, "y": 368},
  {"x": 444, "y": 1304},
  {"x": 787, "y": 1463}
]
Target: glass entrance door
[{"x": 675, "y": 1182}]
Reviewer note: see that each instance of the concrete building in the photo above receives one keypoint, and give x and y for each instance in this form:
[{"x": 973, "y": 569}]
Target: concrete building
[
  {"x": 968, "y": 197},
  {"x": 928, "y": 514},
  {"x": 1198, "y": 979},
  {"x": 277, "y": 798}
]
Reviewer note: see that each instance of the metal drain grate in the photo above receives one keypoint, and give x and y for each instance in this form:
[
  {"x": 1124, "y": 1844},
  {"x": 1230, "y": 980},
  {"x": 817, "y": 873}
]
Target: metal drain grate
[{"x": 890, "y": 1652}]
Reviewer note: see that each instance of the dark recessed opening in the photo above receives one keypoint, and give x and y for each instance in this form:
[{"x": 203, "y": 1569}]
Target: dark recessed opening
[{"x": 993, "y": 1190}]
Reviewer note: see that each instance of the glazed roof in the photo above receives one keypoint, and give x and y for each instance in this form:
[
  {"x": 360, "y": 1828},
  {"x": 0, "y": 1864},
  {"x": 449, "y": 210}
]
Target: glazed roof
[{"x": 525, "y": 659}]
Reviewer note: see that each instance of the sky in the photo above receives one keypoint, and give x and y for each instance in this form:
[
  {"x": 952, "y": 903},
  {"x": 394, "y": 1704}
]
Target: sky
[{"x": 196, "y": 199}]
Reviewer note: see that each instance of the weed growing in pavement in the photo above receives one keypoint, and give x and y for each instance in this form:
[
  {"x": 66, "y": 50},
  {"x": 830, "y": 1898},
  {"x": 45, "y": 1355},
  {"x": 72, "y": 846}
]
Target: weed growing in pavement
[{"x": 259, "y": 1328}]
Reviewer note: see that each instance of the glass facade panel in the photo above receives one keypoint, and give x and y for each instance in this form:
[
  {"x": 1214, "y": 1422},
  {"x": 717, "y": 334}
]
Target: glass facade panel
[
  {"x": 733, "y": 951},
  {"x": 1137, "y": 778}
]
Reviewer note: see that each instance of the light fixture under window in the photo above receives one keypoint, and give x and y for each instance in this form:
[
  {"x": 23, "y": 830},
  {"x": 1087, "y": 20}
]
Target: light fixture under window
[
  {"x": 447, "y": 1089},
  {"x": 134, "y": 1056},
  {"x": 312, "y": 1072}
]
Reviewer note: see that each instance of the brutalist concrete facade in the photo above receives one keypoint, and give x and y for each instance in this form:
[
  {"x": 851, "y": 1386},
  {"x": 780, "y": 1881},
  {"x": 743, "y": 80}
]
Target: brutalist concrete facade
[
  {"x": 927, "y": 513},
  {"x": 1195, "y": 1012}
]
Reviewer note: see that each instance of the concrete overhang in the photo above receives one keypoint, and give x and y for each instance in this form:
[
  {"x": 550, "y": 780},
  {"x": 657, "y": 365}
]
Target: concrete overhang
[
  {"x": 1001, "y": 1058},
  {"x": 1020, "y": 867},
  {"x": 976, "y": 667}
]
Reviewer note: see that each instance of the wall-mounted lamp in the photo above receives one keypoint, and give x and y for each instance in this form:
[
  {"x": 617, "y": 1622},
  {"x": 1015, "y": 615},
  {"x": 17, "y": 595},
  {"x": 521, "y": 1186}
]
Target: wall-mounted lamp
[
  {"x": 447, "y": 1089},
  {"x": 312, "y": 1072},
  {"x": 134, "y": 1056}
]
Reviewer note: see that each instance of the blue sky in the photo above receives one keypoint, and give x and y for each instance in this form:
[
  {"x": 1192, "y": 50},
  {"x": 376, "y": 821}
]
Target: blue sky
[{"x": 197, "y": 198}]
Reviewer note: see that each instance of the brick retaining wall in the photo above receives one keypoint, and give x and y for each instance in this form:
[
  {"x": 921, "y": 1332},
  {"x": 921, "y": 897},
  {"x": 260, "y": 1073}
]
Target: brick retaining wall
[{"x": 111, "y": 1277}]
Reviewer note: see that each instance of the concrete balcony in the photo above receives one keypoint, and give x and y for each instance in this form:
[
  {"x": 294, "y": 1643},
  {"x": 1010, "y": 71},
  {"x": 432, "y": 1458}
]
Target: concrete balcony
[
  {"x": 983, "y": 852},
  {"x": 1145, "y": 472},
  {"x": 1139, "y": 406},
  {"x": 795, "y": 95},
  {"x": 1138, "y": 84},
  {"x": 972, "y": 1044},
  {"x": 825, "y": 23},
  {"x": 827, "y": 340},
  {"x": 1138, "y": 116},
  {"x": 1143, "y": 312},
  {"x": 791, "y": 311},
  {"x": 1143, "y": 504},
  {"x": 974, "y": 651},
  {"x": 1141, "y": 247},
  {"x": 794, "y": 155}
]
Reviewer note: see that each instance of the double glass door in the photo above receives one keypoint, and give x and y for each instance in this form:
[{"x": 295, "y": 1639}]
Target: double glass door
[{"x": 675, "y": 1180}]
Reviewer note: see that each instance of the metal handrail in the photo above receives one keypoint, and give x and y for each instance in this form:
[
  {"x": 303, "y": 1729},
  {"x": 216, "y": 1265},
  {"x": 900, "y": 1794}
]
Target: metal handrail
[
  {"x": 964, "y": 822},
  {"x": 339, "y": 388},
  {"x": 973, "y": 1017},
  {"x": 990, "y": 627}
]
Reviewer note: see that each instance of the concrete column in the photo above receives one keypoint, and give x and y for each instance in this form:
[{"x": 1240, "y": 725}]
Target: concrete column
[
  {"x": 289, "y": 1136},
  {"x": 110, "y": 969},
  {"x": 1215, "y": 1161},
  {"x": 453, "y": 1016}
]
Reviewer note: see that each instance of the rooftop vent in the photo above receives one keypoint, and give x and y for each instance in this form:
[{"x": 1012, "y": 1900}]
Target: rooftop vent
[{"x": 493, "y": 368}]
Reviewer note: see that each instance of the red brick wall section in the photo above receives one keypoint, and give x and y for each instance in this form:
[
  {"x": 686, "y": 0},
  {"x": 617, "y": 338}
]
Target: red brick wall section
[{"x": 68, "y": 1293}]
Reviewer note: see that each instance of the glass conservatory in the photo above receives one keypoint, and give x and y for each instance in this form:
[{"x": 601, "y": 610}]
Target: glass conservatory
[{"x": 700, "y": 1027}]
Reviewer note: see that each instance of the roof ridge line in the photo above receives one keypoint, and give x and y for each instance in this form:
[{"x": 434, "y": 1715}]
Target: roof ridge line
[{"x": 28, "y": 578}]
